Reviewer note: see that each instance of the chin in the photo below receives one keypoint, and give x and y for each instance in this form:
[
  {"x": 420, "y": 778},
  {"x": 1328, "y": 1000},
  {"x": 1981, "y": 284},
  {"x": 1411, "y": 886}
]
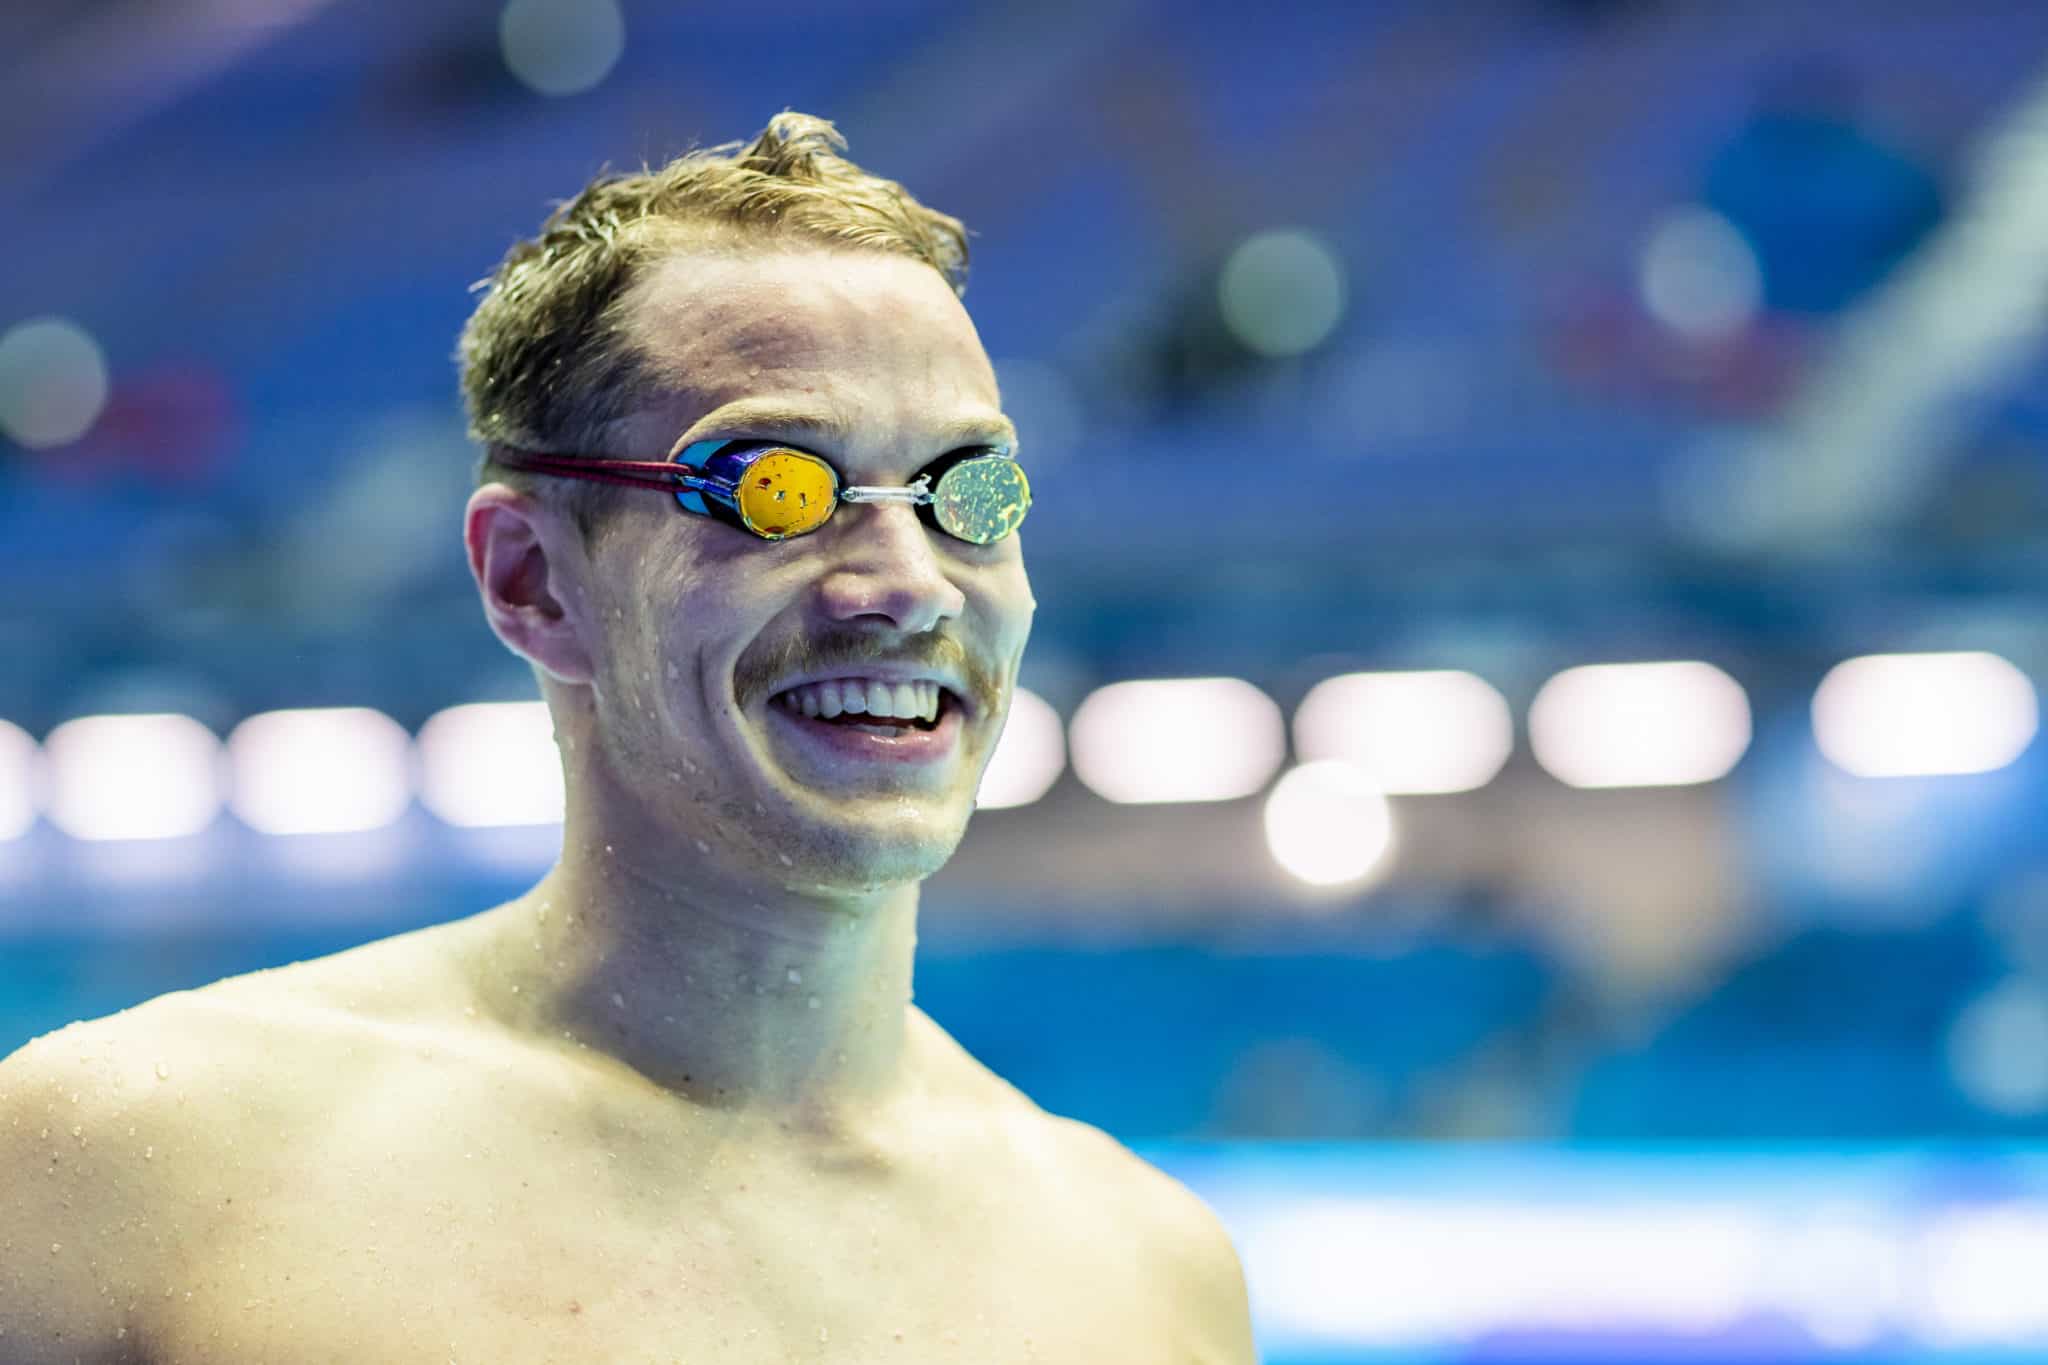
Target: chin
[{"x": 854, "y": 855}]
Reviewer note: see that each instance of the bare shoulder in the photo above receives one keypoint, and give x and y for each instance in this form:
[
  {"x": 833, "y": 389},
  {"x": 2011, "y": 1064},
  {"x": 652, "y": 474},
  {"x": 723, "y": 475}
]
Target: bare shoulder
[
  {"x": 98, "y": 1162},
  {"x": 1192, "y": 1258},
  {"x": 178, "y": 1060},
  {"x": 126, "y": 1140},
  {"x": 1186, "y": 1260},
  {"x": 1080, "y": 1156}
]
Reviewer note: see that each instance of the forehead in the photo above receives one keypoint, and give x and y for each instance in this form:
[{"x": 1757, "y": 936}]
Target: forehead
[{"x": 877, "y": 339}]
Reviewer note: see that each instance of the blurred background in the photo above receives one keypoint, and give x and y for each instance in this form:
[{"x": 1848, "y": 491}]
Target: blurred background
[{"x": 1573, "y": 684}]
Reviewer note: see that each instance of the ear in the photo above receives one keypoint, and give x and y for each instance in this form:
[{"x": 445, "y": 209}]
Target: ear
[{"x": 523, "y": 556}]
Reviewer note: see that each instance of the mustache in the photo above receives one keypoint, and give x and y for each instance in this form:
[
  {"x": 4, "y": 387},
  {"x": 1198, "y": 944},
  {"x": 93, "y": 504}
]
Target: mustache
[{"x": 846, "y": 652}]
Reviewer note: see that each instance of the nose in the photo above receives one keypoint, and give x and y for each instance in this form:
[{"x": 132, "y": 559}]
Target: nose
[{"x": 888, "y": 569}]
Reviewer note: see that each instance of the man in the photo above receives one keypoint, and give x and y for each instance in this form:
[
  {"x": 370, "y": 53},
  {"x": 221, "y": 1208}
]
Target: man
[{"x": 673, "y": 1104}]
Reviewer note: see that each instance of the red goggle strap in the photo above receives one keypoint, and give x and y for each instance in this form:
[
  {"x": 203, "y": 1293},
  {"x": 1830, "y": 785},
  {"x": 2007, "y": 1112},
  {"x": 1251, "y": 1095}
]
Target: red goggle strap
[{"x": 629, "y": 473}]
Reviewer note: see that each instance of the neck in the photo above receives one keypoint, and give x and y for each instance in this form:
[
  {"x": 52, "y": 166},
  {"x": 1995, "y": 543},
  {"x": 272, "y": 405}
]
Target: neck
[{"x": 749, "y": 999}]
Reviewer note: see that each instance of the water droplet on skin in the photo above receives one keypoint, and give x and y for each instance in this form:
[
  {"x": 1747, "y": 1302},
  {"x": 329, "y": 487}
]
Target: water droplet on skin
[
  {"x": 672, "y": 673},
  {"x": 56, "y": 1247},
  {"x": 74, "y": 1097},
  {"x": 515, "y": 988},
  {"x": 607, "y": 849},
  {"x": 785, "y": 860},
  {"x": 703, "y": 847},
  {"x": 796, "y": 977},
  {"x": 618, "y": 1001},
  {"x": 814, "y": 1002},
  {"x": 824, "y": 1335},
  {"x": 688, "y": 766},
  {"x": 149, "y": 1153},
  {"x": 469, "y": 1010},
  {"x": 760, "y": 809},
  {"x": 163, "y": 1073}
]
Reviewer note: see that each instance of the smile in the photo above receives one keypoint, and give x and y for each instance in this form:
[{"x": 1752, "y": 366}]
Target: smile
[{"x": 852, "y": 738}]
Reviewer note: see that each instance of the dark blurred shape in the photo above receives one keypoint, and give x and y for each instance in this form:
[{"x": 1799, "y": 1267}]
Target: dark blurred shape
[
  {"x": 173, "y": 426},
  {"x": 1601, "y": 11},
  {"x": 1177, "y": 352},
  {"x": 1827, "y": 205}
]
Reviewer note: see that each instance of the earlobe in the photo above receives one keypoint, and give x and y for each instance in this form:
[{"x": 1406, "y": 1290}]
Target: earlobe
[{"x": 519, "y": 559}]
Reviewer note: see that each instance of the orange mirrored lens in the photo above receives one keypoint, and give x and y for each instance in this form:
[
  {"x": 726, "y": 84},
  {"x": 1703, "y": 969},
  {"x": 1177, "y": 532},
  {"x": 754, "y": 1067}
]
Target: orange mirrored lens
[{"x": 786, "y": 493}]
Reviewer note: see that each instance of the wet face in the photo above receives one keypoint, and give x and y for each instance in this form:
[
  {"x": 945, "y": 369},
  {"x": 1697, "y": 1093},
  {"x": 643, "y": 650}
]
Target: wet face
[{"x": 699, "y": 626}]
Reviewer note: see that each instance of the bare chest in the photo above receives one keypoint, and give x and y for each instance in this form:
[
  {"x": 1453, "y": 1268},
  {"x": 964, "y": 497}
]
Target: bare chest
[{"x": 464, "y": 1226}]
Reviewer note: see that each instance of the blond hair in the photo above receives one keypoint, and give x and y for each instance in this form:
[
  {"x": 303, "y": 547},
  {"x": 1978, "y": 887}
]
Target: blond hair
[{"x": 545, "y": 358}]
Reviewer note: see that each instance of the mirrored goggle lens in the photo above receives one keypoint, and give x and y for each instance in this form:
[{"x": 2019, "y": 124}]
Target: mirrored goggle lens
[
  {"x": 785, "y": 493},
  {"x": 982, "y": 499}
]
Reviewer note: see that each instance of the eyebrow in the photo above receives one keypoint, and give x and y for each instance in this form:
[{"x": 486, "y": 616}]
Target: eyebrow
[{"x": 778, "y": 422}]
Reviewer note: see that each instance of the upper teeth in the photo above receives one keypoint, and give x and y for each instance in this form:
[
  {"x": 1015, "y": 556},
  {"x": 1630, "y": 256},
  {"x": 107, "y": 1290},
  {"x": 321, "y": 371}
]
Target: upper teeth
[{"x": 869, "y": 696}]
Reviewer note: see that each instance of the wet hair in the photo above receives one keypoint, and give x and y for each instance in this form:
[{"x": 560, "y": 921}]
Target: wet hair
[{"x": 546, "y": 361}]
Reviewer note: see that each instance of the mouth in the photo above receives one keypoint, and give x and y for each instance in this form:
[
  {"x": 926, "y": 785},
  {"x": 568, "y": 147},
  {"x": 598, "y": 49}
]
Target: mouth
[{"x": 856, "y": 740}]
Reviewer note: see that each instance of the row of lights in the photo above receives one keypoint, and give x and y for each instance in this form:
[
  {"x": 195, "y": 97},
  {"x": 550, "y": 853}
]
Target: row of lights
[
  {"x": 1601, "y": 725},
  {"x": 1361, "y": 737}
]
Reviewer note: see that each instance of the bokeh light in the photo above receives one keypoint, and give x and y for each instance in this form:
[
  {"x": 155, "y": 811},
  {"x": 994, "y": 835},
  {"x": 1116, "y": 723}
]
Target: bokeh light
[
  {"x": 561, "y": 47},
  {"x": 1282, "y": 292},
  {"x": 53, "y": 382},
  {"x": 1435, "y": 730},
  {"x": 133, "y": 777},
  {"x": 1699, "y": 277},
  {"x": 1998, "y": 1049},
  {"x": 1327, "y": 822},
  {"x": 18, "y": 763},
  {"x": 1639, "y": 724},
  {"x": 491, "y": 763},
  {"x": 1903, "y": 715},
  {"x": 1029, "y": 756},
  {"x": 1177, "y": 739},
  {"x": 324, "y": 771}
]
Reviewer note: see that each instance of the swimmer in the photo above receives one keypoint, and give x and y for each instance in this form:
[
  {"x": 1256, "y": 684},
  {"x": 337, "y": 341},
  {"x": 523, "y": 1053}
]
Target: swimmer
[{"x": 749, "y": 507}]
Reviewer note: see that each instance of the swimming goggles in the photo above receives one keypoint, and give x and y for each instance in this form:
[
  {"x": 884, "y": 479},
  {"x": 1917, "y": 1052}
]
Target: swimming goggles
[{"x": 775, "y": 491}]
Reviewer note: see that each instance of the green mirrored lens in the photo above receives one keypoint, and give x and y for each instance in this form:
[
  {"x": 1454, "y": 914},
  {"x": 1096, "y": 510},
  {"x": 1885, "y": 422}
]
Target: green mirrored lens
[{"x": 982, "y": 499}]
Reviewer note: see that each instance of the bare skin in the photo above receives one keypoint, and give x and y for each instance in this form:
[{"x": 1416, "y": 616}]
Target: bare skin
[{"x": 674, "y": 1104}]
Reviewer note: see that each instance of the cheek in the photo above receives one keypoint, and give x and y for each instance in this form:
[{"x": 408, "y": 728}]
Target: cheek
[{"x": 1010, "y": 607}]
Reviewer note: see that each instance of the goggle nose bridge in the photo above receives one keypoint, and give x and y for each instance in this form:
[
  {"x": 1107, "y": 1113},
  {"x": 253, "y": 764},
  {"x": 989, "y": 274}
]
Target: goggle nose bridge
[{"x": 913, "y": 494}]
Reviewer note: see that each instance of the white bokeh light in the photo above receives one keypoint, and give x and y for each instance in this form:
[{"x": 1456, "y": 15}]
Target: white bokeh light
[
  {"x": 1177, "y": 739},
  {"x": 53, "y": 382},
  {"x": 1998, "y": 1049},
  {"x": 133, "y": 777},
  {"x": 18, "y": 763},
  {"x": 1029, "y": 756},
  {"x": 1639, "y": 724},
  {"x": 1698, "y": 276},
  {"x": 324, "y": 771},
  {"x": 561, "y": 47},
  {"x": 1282, "y": 292},
  {"x": 491, "y": 763},
  {"x": 1327, "y": 822},
  {"x": 1908, "y": 715},
  {"x": 1439, "y": 730}
]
